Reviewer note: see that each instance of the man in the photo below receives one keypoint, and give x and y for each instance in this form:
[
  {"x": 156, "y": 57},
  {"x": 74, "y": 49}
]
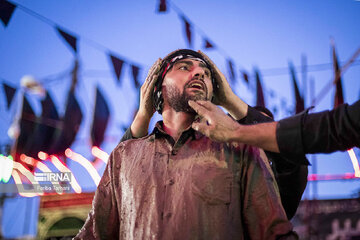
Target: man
[
  {"x": 290, "y": 174},
  {"x": 322, "y": 132},
  {"x": 178, "y": 184}
]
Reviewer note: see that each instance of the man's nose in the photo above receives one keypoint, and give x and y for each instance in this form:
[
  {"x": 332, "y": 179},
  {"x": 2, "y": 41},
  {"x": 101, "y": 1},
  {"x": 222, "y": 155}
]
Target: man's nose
[{"x": 199, "y": 72}]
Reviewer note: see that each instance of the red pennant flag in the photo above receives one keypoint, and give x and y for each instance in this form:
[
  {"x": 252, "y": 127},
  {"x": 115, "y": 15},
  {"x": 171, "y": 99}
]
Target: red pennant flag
[
  {"x": 70, "y": 122},
  {"x": 117, "y": 64},
  {"x": 187, "y": 31},
  {"x": 260, "y": 100},
  {"x": 245, "y": 77},
  {"x": 9, "y": 93},
  {"x": 45, "y": 128},
  {"x": 135, "y": 73},
  {"x": 231, "y": 70},
  {"x": 49, "y": 120},
  {"x": 70, "y": 126},
  {"x": 71, "y": 40},
  {"x": 6, "y": 11},
  {"x": 339, "y": 97},
  {"x": 27, "y": 127},
  {"x": 207, "y": 44},
  {"x": 100, "y": 120},
  {"x": 299, "y": 106},
  {"x": 162, "y": 6}
]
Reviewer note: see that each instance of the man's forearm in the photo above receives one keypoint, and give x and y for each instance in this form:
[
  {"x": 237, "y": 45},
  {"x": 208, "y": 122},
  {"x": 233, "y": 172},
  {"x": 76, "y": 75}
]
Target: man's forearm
[
  {"x": 139, "y": 127},
  {"x": 262, "y": 135},
  {"x": 236, "y": 107}
]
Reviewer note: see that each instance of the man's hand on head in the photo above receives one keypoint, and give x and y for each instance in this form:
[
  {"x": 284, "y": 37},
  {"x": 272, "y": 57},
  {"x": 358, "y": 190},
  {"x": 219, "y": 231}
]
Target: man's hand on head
[
  {"x": 224, "y": 95},
  {"x": 139, "y": 127},
  {"x": 222, "y": 89},
  {"x": 146, "y": 107},
  {"x": 213, "y": 122}
]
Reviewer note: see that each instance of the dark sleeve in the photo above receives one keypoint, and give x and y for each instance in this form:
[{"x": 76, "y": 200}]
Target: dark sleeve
[
  {"x": 323, "y": 132},
  {"x": 103, "y": 219},
  {"x": 254, "y": 116},
  {"x": 127, "y": 135}
]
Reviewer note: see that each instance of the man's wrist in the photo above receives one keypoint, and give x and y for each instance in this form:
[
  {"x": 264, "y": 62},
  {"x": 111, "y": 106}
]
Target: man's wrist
[
  {"x": 230, "y": 101},
  {"x": 143, "y": 116},
  {"x": 140, "y": 125},
  {"x": 236, "y": 107},
  {"x": 238, "y": 134}
]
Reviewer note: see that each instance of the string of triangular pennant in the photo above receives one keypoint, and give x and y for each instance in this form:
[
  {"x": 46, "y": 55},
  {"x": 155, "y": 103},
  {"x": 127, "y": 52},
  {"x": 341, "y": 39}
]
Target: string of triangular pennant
[{"x": 7, "y": 9}]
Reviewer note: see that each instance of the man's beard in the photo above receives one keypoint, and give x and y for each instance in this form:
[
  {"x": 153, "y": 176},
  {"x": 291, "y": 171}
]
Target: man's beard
[{"x": 179, "y": 102}]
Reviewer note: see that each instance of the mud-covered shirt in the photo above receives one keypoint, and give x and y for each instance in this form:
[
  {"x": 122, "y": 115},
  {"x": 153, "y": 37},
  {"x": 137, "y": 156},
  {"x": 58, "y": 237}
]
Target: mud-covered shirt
[{"x": 195, "y": 188}]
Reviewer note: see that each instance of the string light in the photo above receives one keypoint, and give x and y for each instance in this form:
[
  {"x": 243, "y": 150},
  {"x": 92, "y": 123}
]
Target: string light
[
  {"x": 29, "y": 160},
  {"x": 331, "y": 177},
  {"x": 24, "y": 171},
  {"x": 355, "y": 162},
  {"x": 62, "y": 168},
  {"x": 42, "y": 155},
  {"x": 42, "y": 167},
  {"x": 19, "y": 186},
  {"x": 98, "y": 153},
  {"x": 85, "y": 163}
]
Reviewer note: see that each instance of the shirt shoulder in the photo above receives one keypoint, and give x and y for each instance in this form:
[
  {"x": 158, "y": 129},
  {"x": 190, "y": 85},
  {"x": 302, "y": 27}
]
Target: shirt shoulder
[{"x": 133, "y": 143}]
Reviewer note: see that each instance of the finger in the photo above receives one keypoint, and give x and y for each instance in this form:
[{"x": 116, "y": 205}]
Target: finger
[
  {"x": 206, "y": 104},
  {"x": 151, "y": 71},
  {"x": 153, "y": 74},
  {"x": 154, "y": 68},
  {"x": 158, "y": 65},
  {"x": 201, "y": 127},
  {"x": 152, "y": 81},
  {"x": 199, "y": 109}
]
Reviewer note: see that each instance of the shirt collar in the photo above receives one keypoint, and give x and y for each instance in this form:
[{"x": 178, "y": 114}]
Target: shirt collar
[{"x": 159, "y": 131}]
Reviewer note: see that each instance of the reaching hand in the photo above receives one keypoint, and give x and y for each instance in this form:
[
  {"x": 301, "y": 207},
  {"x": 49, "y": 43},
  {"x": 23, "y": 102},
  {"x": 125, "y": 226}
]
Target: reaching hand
[
  {"x": 223, "y": 94},
  {"x": 222, "y": 89},
  {"x": 139, "y": 127},
  {"x": 146, "y": 107},
  {"x": 213, "y": 123}
]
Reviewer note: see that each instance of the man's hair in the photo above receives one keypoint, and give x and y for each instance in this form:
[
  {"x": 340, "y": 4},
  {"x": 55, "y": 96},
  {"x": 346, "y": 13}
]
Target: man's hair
[
  {"x": 166, "y": 66},
  {"x": 264, "y": 110}
]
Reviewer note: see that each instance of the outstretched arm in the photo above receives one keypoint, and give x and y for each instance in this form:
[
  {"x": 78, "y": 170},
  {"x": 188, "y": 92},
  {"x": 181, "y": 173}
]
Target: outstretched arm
[
  {"x": 218, "y": 126},
  {"x": 322, "y": 132}
]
